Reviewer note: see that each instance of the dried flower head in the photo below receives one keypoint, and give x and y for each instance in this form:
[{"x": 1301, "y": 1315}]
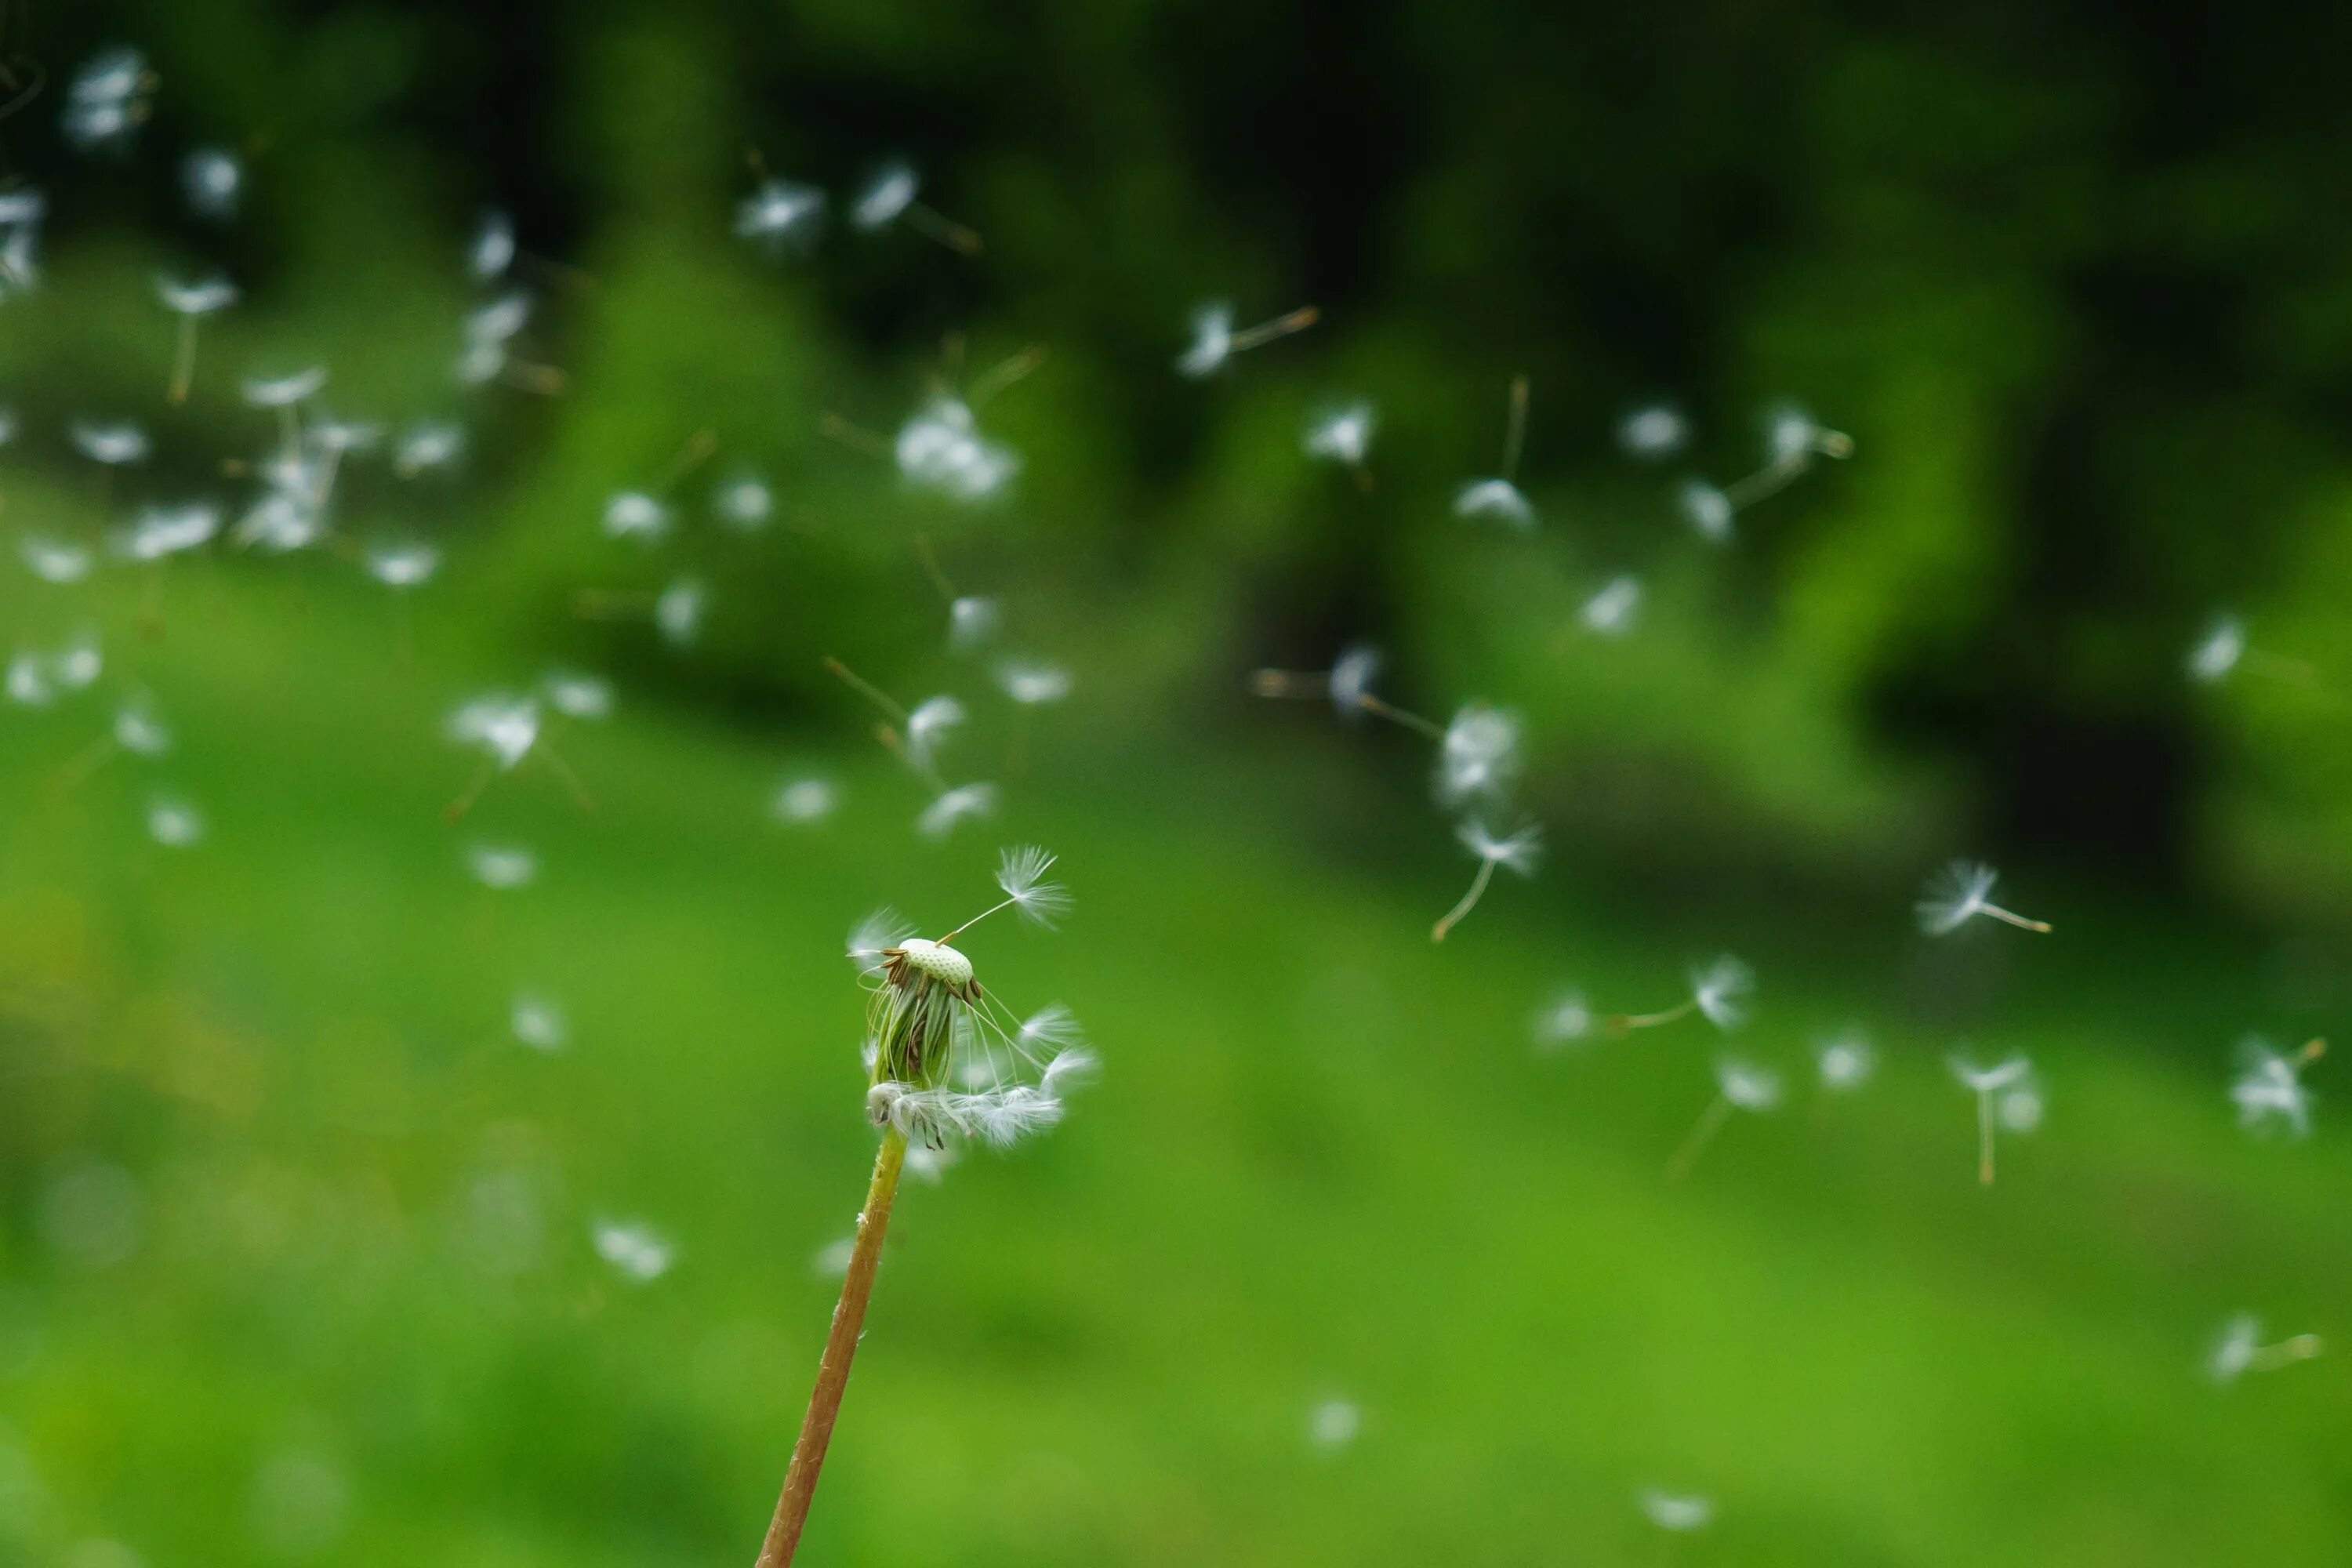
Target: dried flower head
[{"x": 1960, "y": 892}]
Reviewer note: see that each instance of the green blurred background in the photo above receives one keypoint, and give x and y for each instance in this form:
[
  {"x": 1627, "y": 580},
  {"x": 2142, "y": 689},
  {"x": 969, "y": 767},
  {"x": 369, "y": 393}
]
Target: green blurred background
[{"x": 295, "y": 1240}]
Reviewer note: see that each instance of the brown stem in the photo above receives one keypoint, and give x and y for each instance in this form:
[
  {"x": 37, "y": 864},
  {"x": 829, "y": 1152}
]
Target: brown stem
[{"x": 833, "y": 1370}]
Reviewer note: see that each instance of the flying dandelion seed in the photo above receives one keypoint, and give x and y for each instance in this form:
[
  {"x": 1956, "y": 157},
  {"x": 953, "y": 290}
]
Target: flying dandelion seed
[
  {"x": 1611, "y": 611},
  {"x": 930, "y": 723},
  {"x": 1679, "y": 1512},
  {"x": 805, "y": 801},
  {"x": 1342, "y": 434},
  {"x": 1844, "y": 1062},
  {"x": 212, "y": 182},
  {"x": 1706, "y": 509},
  {"x": 577, "y": 696},
  {"x": 927, "y": 1017},
  {"x": 1032, "y": 685},
  {"x": 1720, "y": 993},
  {"x": 1740, "y": 1086},
  {"x": 1960, "y": 892},
  {"x": 501, "y": 866},
  {"x": 427, "y": 447},
  {"x": 891, "y": 195},
  {"x": 55, "y": 561},
  {"x": 503, "y": 728},
  {"x": 940, "y": 449},
  {"x": 117, "y": 445},
  {"x": 971, "y": 622},
  {"x": 36, "y": 678},
  {"x": 639, "y": 1253},
  {"x": 781, "y": 215},
  {"x": 173, "y": 822},
  {"x": 1215, "y": 340},
  {"x": 971, "y": 802},
  {"x": 1500, "y": 498},
  {"x": 632, "y": 514},
  {"x": 1647, "y": 435},
  {"x": 2239, "y": 1350},
  {"x": 1332, "y": 1425},
  {"x": 1564, "y": 1020},
  {"x": 2269, "y": 1090},
  {"x": 191, "y": 302},
  {"x": 1998, "y": 1089},
  {"x": 536, "y": 1021},
  {"x": 492, "y": 250},
  {"x": 1478, "y": 757},
  {"x": 1348, "y": 686},
  {"x": 158, "y": 531},
  {"x": 743, "y": 502},
  {"x": 1792, "y": 440},
  {"x": 402, "y": 567},
  {"x": 1518, "y": 852},
  {"x": 108, "y": 99},
  {"x": 678, "y": 613},
  {"x": 2217, "y": 653}
]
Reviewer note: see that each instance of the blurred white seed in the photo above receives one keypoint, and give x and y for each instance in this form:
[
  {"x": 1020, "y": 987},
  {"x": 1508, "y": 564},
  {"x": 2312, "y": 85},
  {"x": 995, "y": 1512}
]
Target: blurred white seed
[
  {"x": 1032, "y": 685},
  {"x": 577, "y": 696},
  {"x": 781, "y": 215},
  {"x": 427, "y": 446},
  {"x": 1214, "y": 339},
  {"x": 742, "y": 502},
  {"x": 632, "y": 514},
  {"x": 2218, "y": 651},
  {"x": 678, "y": 612},
  {"x": 502, "y": 865},
  {"x": 2006, "y": 1097},
  {"x": 2239, "y": 1350},
  {"x": 107, "y": 99},
  {"x": 54, "y": 560},
  {"x": 401, "y": 567},
  {"x": 536, "y": 1021},
  {"x": 1844, "y": 1061},
  {"x": 1706, "y": 509},
  {"x": 1343, "y": 433},
  {"x": 116, "y": 444},
  {"x": 1333, "y": 1425},
  {"x": 806, "y": 800},
  {"x": 212, "y": 181},
  {"x": 1678, "y": 1511},
  {"x": 1960, "y": 892},
  {"x": 1612, "y": 610},
  {"x": 638, "y": 1252},
  {"x": 1652, "y": 433},
  {"x": 1478, "y": 755},
  {"x": 971, "y": 622},
  {"x": 492, "y": 250},
  {"x": 1564, "y": 1020},
  {"x": 173, "y": 822},
  {"x": 2269, "y": 1090},
  {"x": 950, "y": 806}
]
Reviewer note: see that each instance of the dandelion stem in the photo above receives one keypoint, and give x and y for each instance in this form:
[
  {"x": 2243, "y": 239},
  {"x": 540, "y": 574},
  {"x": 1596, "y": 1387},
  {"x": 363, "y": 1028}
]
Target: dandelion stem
[
  {"x": 1997, "y": 913},
  {"x": 1452, "y": 916},
  {"x": 84, "y": 762},
  {"x": 183, "y": 361},
  {"x": 2287, "y": 1352},
  {"x": 567, "y": 777},
  {"x": 833, "y": 1369},
  {"x": 1298, "y": 320},
  {"x": 697, "y": 450},
  {"x": 1395, "y": 715},
  {"x": 856, "y": 437},
  {"x": 1004, "y": 373},
  {"x": 1984, "y": 1137},
  {"x": 1710, "y": 1122},
  {"x": 867, "y": 689},
  {"x": 1624, "y": 1021},
  {"x": 1515, "y": 436}
]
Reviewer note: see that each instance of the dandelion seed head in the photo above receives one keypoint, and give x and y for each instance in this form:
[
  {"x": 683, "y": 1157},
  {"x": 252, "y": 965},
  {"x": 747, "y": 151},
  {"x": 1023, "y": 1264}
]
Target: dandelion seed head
[
  {"x": 1652, "y": 433},
  {"x": 1956, "y": 895},
  {"x": 1612, "y": 610},
  {"x": 1706, "y": 509},
  {"x": 1720, "y": 991},
  {"x": 2217, "y": 653},
  {"x": 1498, "y": 499},
  {"x": 1021, "y": 872},
  {"x": 1343, "y": 433},
  {"x": 637, "y": 1251}
]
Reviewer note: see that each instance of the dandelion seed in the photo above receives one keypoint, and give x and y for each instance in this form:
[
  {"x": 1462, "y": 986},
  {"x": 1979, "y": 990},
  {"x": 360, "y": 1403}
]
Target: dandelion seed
[
  {"x": 1333, "y": 1425},
  {"x": 2018, "y": 1110},
  {"x": 504, "y": 728},
  {"x": 36, "y": 679},
  {"x": 212, "y": 181},
  {"x": 161, "y": 531},
  {"x": 1021, "y": 874},
  {"x": 173, "y": 822},
  {"x": 1649, "y": 434},
  {"x": 116, "y": 446},
  {"x": 641, "y": 1253},
  {"x": 55, "y": 561},
  {"x": 1564, "y": 1020},
  {"x": 500, "y": 321},
  {"x": 1215, "y": 340},
  {"x": 1519, "y": 853},
  {"x": 743, "y": 502},
  {"x": 971, "y": 622},
  {"x": 536, "y": 1021},
  {"x": 928, "y": 724},
  {"x": 280, "y": 523},
  {"x": 1349, "y": 687},
  {"x": 782, "y": 214},
  {"x": 1032, "y": 685},
  {"x": 138, "y": 731},
  {"x": 1792, "y": 440},
  {"x": 426, "y": 447},
  {"x": 1844, "y": 1062},
  {"x": 2269, "y": 1090},
  {"x": 1706, "y": 509},
  {"x": 804, "y": 801},
  {"x": 632, "y": 514},
  {"x": 1740, "y": 1086},
  {"x": 2239, "y": 1349},
  {"x": 1991, "y": 1086},
  {"x": 492, "y": 250},
  {"x": 966, "y": 801},
  {"x": 891, "y": 195},
  {"x": 941, "y": 449},
  {"x": 1961, "y": 891},
  {"x": 1720, "y": 993},
  {"x": 1500, "y": 497},
  {"x": 2217, "y": 653},
  {"x": 402, "y": 567},
  {"x": 1478, "y": 755},
  {"x": 1611, "y": 611},
  {"x": 1680, "y": 1512},
  {"x": 288, "y": 391},
  {"x": 108, "y": 98},
  {"x": 501, "y": 866},
  {"x": 577, "y": 696},
  {"x": 1342, "y": 434},
  {"x": 28, "y": 681},
  {"x": 678, "y": 612},
  {"x": 191, "y": 302}
]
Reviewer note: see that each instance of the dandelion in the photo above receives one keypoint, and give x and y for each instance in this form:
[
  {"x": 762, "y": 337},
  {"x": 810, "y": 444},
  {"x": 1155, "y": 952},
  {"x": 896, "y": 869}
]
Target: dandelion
[
  {"x": 678, "y": 613},
  {"x": 1332, "y": 1425},
  {"x": 1564, "y": 1020},
  {"x": 929, "y": 1016},
  {"x": 1518, "y": 852},
  {"x": 426, "y": 447},
  {"x": 173, "y": 822},
  {"x": 492, "y": 250},
  {"x": 501, "y": 866},
  {"x": 1792, "y": 440},
  {"x": 891, "y": 195},
  {"x": 1611, "y": 611},
  {"x": 1477, "y": 755},
  {"x": 114, "y": 446},
  {"x": 108, "y": 98},
  {"x": 212, "y": 181},
  {"x": 54, "y": 559},
  {"x": 1500, "y": 497},
  {"x": 2239, "y": 1349},
  {"x": 191, "y": 302},
  {"x": 1720, "y": 993},
  {"x": 2269, "y": 1090},
  {"x": 1678, "y": 1512},
  {"x": 1706, "y": 509},
  {"x": 1342, "y": 434},
  {"x": 536, "y": 1021},
  {"x": 632, "y": 514},
  {"x": 781, "y": 215},
  {"x": 1960, "y": 892},
  {"x": 1844, "y": 1062},
  {"x": 2005, "y": 1094},
  {"x": 1215, "y": 340},
  {"x": 1646, "y": 434},
  {"x": 972, "y": 801},
  {"x": 640, "y": 1253},
  {"x": 743, "y": 502},
  {"x": 804, "y": 801}
]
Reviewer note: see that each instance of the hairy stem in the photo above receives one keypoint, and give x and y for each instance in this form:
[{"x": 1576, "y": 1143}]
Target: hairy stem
[{"x": 833, "y": 1370}]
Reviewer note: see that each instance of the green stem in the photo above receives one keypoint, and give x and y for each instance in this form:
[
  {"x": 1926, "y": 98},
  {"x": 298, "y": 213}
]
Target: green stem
[{"x": 833, "y": 1369}]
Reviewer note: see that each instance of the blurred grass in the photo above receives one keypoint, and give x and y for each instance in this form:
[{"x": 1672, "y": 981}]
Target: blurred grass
[{"x": 1323, "y": 1163}]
